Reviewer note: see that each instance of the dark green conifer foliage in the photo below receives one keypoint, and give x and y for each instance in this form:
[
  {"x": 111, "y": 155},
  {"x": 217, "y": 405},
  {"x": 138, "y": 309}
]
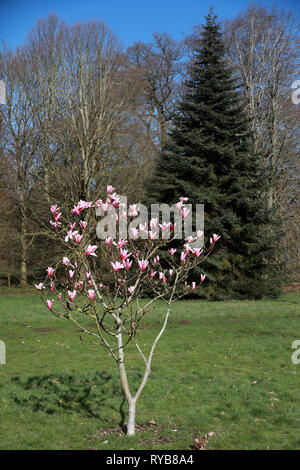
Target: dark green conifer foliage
[{"x": 208, "y": 157}]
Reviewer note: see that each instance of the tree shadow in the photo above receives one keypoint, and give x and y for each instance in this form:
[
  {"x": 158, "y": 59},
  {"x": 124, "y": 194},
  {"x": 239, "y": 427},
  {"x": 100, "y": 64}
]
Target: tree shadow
[{"x": 89, "y": 394}]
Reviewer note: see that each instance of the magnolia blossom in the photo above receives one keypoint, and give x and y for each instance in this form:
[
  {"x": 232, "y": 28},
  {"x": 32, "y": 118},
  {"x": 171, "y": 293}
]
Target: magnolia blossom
[
  {"x": 131, "y": 290},
  {"x": 117, "y": 266},
  {"x": 124, "y": 254},
  {"x": 90, "y": 250},
  {"x": 193, "y": 285},
  {"x": 70, "y": 235},
  {"x": 66, "y": 261},
  {"x": 72, "y": 225},
  {"x": 39, "y": 286},
  {"x": 52, "y": 286},
  {"x": 72, "y": 295},
  {"x": 71, "y": 273},
  {"x": 184, "y": 212},
  {"x": 134, "y": 232},
  {"x": 110, "y": 189},
  {"x": 183, "y": 256},
  {"x": 153, "y": 223},
  {"x": 108, "y": 241},
  {"x": 59, "y": 296},
  {"x": 127, "y": 263},
  {"x": 91, "y": 294},
  {"x": 162, "y": 277},
  {"x": 171, "y": 272},
  {"x": 54, "y": 209},
  {"x": 215, "y": 237},
  {"x": 78, "y": 285},
  {"x": 189, "y": 239},
  {"x": 133, "y": 212},
  {"x": 202, "y": 277},
  {"x": 152, "y": 235},
  {"x": 83, "y": 224},
  {"x": 172, "y": 251},
  {"x": 152, "y": 273},
  {"x": 200, "y": 234},
  {"x": 78, "y": 238},
  {"x": 50, "y": 271},
  {"x": 50, "y": 303},
  {"x": 143, "y": 264},
  {"x": 88, "y": 275},
  {"x": 55, "y": 224},
  {"x": 121, "y": 243},
  {"x": 197, "y": 252},
  {"x": 156, "y": 259},
  {"x": 81, "y": 206}
]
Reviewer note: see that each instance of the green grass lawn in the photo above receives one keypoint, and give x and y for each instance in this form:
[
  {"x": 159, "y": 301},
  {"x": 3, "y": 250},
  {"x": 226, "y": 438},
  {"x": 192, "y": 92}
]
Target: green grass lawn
[{"x": 221, "y": 367}]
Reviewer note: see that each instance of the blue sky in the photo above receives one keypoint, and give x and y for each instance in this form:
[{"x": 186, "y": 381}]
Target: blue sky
[{"x": 131, "y": 20}]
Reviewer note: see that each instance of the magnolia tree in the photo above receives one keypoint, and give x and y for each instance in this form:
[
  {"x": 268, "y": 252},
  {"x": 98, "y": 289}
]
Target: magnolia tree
[{"x": 77, "y": 288}]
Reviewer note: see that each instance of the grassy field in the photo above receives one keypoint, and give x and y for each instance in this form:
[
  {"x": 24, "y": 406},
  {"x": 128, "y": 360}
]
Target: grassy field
[{"x": 222, "y": 367}]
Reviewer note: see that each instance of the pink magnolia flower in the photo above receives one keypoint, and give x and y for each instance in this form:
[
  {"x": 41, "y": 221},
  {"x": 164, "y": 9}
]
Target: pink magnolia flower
[
  {"x": 152, "y": 273},
  {"x": 183, "y": 256},
  {"x": 66, "y": 261},
  {"x": 108, "y": 241},
  {"x": 152, "y": 235},
  {"x": 52, "y": 286},
  {"x": 50, "y": 271},
  {"x": 142, "y": 228},
  {"x": 131, "y": 290},
  {"x": 110, "y": 189},
  {"x": 90, "y": 250},
  {"x": 102, "y": 204},
  {"x": 143, "y": 264},
  {"x": 189, "y": 239},
  {"x": 72, "y": 295},
  {"x": 57, "y": 216},
  {"x": 153, "y": 223},
  {"x": 91, "y": 294},
  {"x": 124, "y": 215},
  {"x": 54, "y": 209},
  {"x": 88, "y": 275},
  {"x": 55, "y": 224},
  {"x": 83, "y": 224},
  {"x": 78, "y": 285},
  {"x": 134, "y": 232},
  {"x": 184, "y": 212},
  {"x": 197, "y": 252},
  {"x": 156, "y": 259},
  {"x": 39, "y": 286},
  {"x": 121, "y": 243},
  {"x": 171, "y": 272},
  {"x": 78, "y": 238},
  {"x": 162, "y": 277},
  {"x": 59, "y": 296},
  {"x": 133, "y": 210},
  {"x": 71, "y": 273},
  {"x": 172, "y": 251},
  {"x": 193, "y": 285},
  {"x": 124, "y": 254},
  {"x": 101, "y": 285},
  {"x": 200, "y": 234},
  {"x": 70, "y": 235},
  {"x": 202, "y": 277},
  {"x": 127, "y": 264},
  {"x": 117, "y": 266},
  {"x": 50, "y": 303},
  {"x": 72, "y": 225},
  {"x": 215, "y": 237}
]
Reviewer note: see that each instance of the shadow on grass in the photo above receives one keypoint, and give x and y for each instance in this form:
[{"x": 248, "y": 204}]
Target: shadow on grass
[{"x": 90, "y": 394}]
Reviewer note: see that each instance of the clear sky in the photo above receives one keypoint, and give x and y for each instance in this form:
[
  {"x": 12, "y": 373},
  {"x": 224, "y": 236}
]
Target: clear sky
[{"x": 131, "y": 20}]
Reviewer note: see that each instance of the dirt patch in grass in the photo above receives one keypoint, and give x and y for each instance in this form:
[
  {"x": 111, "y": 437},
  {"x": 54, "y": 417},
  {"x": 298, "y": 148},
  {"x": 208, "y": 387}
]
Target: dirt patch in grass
[
  {"x": 118, "y": 430},
  {"x": 185, "y": 322}
]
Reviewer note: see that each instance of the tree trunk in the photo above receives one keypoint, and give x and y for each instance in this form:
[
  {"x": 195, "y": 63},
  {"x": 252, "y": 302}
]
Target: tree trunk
[{"x": 131, "y": 419}]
